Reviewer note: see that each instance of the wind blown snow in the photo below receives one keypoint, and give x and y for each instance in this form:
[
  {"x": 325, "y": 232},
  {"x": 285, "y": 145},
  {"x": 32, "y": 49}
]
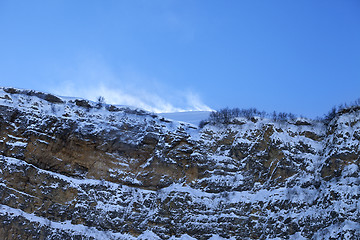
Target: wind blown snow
[{"x": 140, "y": 98}]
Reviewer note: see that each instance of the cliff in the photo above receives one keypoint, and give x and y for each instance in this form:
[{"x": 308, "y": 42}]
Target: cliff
[{"x": 75, "y": 169}]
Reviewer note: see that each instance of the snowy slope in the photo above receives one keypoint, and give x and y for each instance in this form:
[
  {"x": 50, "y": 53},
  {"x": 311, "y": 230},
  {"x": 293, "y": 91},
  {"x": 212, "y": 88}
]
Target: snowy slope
[{"x": 192, "y": 117}]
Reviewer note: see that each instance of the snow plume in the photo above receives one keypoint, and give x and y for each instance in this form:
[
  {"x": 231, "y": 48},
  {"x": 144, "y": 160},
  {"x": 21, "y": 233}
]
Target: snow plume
[
  {"x": 93, "y": 78},
  {"x": 139, "y": 98},
  {"x": 195, "y": 103}
]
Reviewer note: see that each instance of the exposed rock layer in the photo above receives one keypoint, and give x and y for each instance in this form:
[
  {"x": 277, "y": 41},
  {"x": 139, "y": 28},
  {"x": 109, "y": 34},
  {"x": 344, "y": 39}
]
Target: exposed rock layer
[{"x": 73, "y": 169}]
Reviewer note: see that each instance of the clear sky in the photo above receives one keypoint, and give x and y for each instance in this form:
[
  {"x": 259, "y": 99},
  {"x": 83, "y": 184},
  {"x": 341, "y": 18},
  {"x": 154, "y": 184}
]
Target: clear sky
[{"x": 166, "y": 55}]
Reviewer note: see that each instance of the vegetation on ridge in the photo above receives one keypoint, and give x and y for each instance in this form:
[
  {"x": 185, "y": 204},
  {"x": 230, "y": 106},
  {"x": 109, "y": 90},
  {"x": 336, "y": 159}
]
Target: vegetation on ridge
[{"x": 229, "y": 115}]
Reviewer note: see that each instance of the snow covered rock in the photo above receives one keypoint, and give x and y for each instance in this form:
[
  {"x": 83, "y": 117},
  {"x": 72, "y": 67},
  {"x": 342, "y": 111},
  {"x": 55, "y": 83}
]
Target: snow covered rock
[{"x": 75, "y": 169}]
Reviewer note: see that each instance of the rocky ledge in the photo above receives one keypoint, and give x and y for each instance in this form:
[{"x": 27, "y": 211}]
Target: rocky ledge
[{"x": 75, "y": 169}]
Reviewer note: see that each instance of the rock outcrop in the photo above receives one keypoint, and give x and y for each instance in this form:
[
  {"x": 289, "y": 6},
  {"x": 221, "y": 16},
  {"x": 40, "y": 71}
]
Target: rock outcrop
[{"x": 75, "y": 169}]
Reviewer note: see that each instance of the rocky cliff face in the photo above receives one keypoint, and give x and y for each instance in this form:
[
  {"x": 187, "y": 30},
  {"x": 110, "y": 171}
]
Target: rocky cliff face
[{"x": 74, "y": 169}]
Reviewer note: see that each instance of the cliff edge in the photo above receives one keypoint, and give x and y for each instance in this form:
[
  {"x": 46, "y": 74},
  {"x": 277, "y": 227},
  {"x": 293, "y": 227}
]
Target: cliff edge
[{"x": 75, "y": 169}]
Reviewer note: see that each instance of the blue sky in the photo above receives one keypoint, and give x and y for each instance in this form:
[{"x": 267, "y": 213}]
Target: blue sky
[{"x": 169, "y": 55}]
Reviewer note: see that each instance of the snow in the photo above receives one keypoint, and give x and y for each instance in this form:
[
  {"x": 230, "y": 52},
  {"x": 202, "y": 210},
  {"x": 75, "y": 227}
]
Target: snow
[
  {"x": 74, "y": 182},
  {"x": 217, "y": 237},
  {"x": 225, "y": 171},
  {"x": 16, "y": 138},
  {"x": 334, "y": 231},
  {"x": 17, "y": 144},
  {"x": 192, "y": 117},
  {"x": 183, "y": 237},
  {"x": 297, "y": 236},
  {"x": 67, "y": 225},
  {"x": 13, "y": 189},
  {"x": 148, "y": 235}
]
